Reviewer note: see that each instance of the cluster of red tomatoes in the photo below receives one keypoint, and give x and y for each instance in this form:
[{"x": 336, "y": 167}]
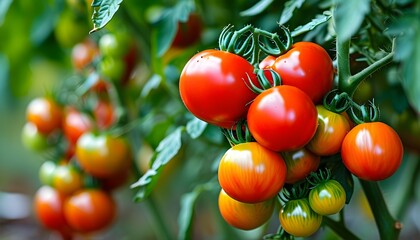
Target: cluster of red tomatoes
[
  {"x": 292, "y": 131},
  {"x": 86, "y": 159}
]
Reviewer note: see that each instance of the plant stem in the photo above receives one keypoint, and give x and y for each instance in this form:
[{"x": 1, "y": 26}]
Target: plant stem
[
  {"x": 388, "y": 228},
  {"x": 340, "y": 229},
  {"x": 160, "y": 227}
]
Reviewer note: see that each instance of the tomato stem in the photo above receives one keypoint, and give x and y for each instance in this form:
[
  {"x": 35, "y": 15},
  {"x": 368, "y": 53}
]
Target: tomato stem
[
  {"x": 340, "y": 229},
  {"x": 388, "y": 227}
]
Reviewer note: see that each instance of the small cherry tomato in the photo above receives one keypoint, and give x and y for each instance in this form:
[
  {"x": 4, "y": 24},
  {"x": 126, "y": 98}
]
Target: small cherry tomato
[
  {"x": 48, "y": 204},
  {"x": 32, "y": 139},
  {"x": 46, "y": 173},
  {"x": 332, "y": 128},
  {"x": 82, "y": 54},
  {"x": 89, "y": 210},
  {"x": 300, "y": 164},
  {"x": 75, "y": 124},
  {"x": 45, "y": 114},
  {"x": 251, "y": 173},
  {"x": 327, "y": 197},
  {"x": 104, "y": 114},
  {"x": 298, "y": 219},
  {"x": 67, "y": 179},
  {"x": 372, "y": 151},
  {"x": 245, "y": 216}
]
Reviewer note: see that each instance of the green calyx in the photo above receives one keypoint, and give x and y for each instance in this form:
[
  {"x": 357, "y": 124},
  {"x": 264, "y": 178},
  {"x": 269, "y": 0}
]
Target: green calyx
[
  {"x": 294, "y": 192},
  {"x": 239, "y": 134},
  {"x": 316, "y": 178}
]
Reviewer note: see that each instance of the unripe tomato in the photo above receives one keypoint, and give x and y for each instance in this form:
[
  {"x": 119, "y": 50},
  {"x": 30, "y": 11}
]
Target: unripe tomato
[
  {"x": 75, "y": 124},
  {"x": 213, "y": 87},
  {"x": 114, "y": 45},
  {"x": 308, "y": 67},
  {"x": 46, "y": 173},
  {"x": 298, "y": 219},
  {"x": 49, "y": 208},
  {"x": 89, "y": 210},
  {"x": 300, "y": 164},
  {"x": 32, "y": 139},
  {"x": 372, "y": 151},
  {"x": 327, "y": 197},
  {"x": 250, "y": 173},
  {"x": 332, "y": 128},
  {"x": 245, "y": 216},
  {"x": 282, "y": 118},
  {"x": 67, "y": 179},
  {"x": 103, "y": 155},
  {"x": 45, "y": 114},
  {"x": 112, "y": 68}
]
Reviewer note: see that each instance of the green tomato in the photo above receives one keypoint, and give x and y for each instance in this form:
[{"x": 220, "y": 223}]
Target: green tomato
[
  {"x": 327, "y": 197},
  {"x": 47, "y": 173},
  {"x": 32, "y": 139},
  {"x": 112, "y": 68},
  {"x": 114, "y": 45}
]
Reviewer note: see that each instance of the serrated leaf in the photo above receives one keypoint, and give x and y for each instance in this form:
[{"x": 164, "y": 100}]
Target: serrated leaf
[
  {"x": 349, "y": 17},
  {"x": 196, "y": 127},
  {"x": 4, "y": 7},
  {"x": 256, "y": 9},
  {"x": 318, "y": 20},
  {"x": 289, "y": 7},
  {"x": 103, "y": 11}
]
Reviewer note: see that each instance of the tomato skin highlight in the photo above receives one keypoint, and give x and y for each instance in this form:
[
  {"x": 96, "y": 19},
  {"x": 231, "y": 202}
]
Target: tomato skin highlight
[
  {"x": 245, "y": 216},
  {"x": 306, "y": 66},
  {"x": 48, "y": 204},
  {"x": 372, "y": 151},
  {"x": 298, "y": 219},
  {"x": 327, "y": 198},
  {"x": 300, "y": 164},
  {"x": 213, "y": 87},
  {"x": 250, "y": 173},
  {"x": 282, "y": 118}
]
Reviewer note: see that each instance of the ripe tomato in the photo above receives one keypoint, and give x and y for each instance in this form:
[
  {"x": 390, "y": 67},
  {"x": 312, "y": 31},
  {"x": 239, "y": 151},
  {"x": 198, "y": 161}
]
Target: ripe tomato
[
  {"x": 89, "y": 210},
  {"x": 327, "y": 197},
  {"x": 282, "y": 118},
  {"x": 32, "y": 139},
  {"x": 188, "y": 32},
  {"x": 213, "y": 87},
  {"x": 372, "y": 151},
  {"x": 48, "y": 204},
  {"x": 104, "y": 114},
  {"x": 267, "y": 62},
  {"x": 332, "y": 128},
  {"x": 300, "y": 164},
  {"x": 67, "y": 179},
  {"x": 75, "y": 124},
  {"x": 306, "y": 66},
  {"x": 103, "y": 155},
  {"x": 245, "y": 216},
  {"x": 82, "y": 54},
  {"x": 250, "y": 173},
  {"x": 45, "y": 114},
  {"x": 298, "y": 219}
]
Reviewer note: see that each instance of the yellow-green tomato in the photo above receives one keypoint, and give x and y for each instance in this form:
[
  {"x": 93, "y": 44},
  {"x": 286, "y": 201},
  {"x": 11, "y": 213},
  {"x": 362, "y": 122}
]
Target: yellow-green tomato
[
  {"x": 46, "y": 173},
  {"x": 327, "y": 197},
  {"x": 245, "y": 216},
  {"x": 298, "y": 219}
]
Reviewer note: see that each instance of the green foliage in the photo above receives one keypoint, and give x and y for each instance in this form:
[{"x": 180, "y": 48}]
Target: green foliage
[
  {"x": 256, "y": 9},
  {"x": 318, "y": 20},
  {"x": 289, "y": 8},
  {"x": 350, "y": 15},
  {"x": 4, "y": 6},
  {"x": 103, "y": 11}
]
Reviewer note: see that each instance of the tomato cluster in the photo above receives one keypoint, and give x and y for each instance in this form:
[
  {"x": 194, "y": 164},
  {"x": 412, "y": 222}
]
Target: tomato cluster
[{"x": 291, "y": 132}]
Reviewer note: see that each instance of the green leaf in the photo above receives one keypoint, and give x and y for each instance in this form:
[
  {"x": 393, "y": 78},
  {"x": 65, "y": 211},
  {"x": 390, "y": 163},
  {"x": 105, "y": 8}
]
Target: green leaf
[
  {"x": 318, "y": 20},
  {"x": 289, "y": 7},
  {"x": 152, "y": 84},
  {"x": 196, "y": 127},
  {"x": 4, "y": 7},
  {"x": 258, "y": 8},
  {"x": 103, "y": 11},
  {"x": 44, "y": 24},
  {"x": 349, "y": 16}
]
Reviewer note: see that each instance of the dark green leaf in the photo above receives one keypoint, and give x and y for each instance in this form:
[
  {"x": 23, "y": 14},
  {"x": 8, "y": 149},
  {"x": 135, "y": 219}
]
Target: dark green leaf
[
  {"x": 196, "y": 127},
  {"x": 4, "y": 7},
  {"x": 45, "y": 23},
  {"x": 318, "y": 20},
  {"x": 103, "y": 11},
  {"x": 349, "y": 16},
  {"x": 289, "y": 7},
  {"x": 258, "y": 8},
  {"x": 151, "y": 84}
]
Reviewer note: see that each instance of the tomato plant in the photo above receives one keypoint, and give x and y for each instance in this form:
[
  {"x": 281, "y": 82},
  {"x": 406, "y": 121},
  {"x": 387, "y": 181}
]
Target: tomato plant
[
  {"x": 45, "y": 114},
  {"x": 250, "y": 173},
  {"x": 46, "y": 173},
  {"x": 327, "y": 197},
  {"x": 300, "y": 164}
]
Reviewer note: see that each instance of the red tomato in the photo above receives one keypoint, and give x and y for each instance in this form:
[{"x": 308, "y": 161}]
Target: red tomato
[
  {"x": 83, "y": 53},
  {"x": 75, "y": 124},
  {"x": 372, "y": 151},
  {"x": 104, "y": 114},
  {"x": 245, "y": 216},
  {"x": 282, "y": 118},
  {"x": 300, "y": 164},
  {"x": 332, "y": 128},
  {"x": 48, "y": 204},
  {"x": 45, "y": 114},
  {"x": 213, "y": 87},
  {"x": 89, "y": 210},
  {"x": 267, "y": 62},
  {"x": 188, "y": 32},
  {"x": 251, "y": 173},
  {"x": 306, "y": 66},
  {"x": 103, "y": 155}
]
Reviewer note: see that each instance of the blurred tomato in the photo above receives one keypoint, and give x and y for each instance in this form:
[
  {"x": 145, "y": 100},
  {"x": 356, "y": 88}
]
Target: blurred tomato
[{"x": 45, "y": 114}]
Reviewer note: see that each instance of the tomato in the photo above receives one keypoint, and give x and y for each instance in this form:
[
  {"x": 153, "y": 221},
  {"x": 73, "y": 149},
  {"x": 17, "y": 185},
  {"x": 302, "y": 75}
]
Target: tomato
[
  {"x": 75, "y": 124},
  {"x": 213, "y": 87},
  {"x": 67, "y": 179},
  {"x": 89, "y": 210},
  {"x": 46, "y": 173},
  {"x": 251, "y": 173},
  {"x": 112, "y": 68},
  {"x": 306, "y": 66},
  {"x": 300, "y": 164},
  {"x": 298, "y": 219},
  {"x": 116, "y": 181},
  {"x": 82, "y": 54},
  {"x": 267, "y": 62},
  {"x": 372, "y": 151},
  {"x": 48, "y": 204},
  {"x": 32, "y": 139},
  {"x": 282, "y": 118},
  {"x": 188, "y": 32},
  {"x": 332, "y": 128},
  {"x": 245, "y": 216},
  {"x": 104, "y": 114},
  {"x": 45, "y": 114},
  {"x": 103, "y": 155},
  {"x": 114, "y": 45},
  {"x": 327, "y": 197}
]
